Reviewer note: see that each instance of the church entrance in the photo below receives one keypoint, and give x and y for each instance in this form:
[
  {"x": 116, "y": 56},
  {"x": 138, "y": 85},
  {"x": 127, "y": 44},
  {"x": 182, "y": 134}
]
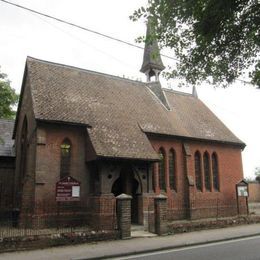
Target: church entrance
[{"x": 127, "y": 183}]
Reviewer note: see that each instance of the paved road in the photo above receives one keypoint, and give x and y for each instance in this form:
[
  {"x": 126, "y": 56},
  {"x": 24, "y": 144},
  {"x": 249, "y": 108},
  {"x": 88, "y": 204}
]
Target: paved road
[{"x": 239, "y": 249}]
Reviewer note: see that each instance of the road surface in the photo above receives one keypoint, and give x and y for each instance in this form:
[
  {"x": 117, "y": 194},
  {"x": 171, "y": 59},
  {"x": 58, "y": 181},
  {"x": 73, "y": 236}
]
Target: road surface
[{"x": 239, "y": 249}]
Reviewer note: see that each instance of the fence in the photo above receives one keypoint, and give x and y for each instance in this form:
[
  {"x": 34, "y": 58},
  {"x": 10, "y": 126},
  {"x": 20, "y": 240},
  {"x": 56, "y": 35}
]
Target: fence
[{"x": 67, "y": 219}]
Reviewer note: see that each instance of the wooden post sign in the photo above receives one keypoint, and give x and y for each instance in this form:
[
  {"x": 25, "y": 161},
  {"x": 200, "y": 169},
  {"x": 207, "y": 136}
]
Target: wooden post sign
[
  {"x": 242, "y": 189},
  {"x": 242, "y": 192},
  {"x": 67, "y": 189}
]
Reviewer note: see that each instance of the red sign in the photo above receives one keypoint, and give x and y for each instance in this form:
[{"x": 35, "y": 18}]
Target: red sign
[{"x": 68, "y": 189}]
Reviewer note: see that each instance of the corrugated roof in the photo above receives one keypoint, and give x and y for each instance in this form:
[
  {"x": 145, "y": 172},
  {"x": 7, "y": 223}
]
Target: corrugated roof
[
  {"x": 6, "y": 142},
  {"x": 119, "y": 111}
]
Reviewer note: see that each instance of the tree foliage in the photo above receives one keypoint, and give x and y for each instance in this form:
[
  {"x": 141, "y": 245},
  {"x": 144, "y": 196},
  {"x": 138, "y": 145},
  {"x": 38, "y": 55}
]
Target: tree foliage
[
  {"x": 213, "y": 40},
  {"x": 8, "y": 98}
]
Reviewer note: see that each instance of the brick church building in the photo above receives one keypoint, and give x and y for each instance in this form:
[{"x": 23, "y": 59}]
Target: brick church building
[{"x": 116, "y": 135}]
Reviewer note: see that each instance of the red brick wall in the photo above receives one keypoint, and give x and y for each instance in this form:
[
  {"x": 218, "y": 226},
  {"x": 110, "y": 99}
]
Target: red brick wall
[
  {"x": 206, "y": 203},
  {"x": 176, "y": 200},
  {"x": 48, "y": 158},
  {"x": 27, "y": 188},
  {"x": 101, "y": 212}
]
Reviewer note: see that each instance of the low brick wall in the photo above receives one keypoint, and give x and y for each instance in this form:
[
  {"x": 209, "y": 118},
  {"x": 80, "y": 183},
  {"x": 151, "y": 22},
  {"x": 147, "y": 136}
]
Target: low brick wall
[
  {"x": 189, "y": 226},
  {"x": 44, "y": 241},
  {"x": 8, "y": 244}
]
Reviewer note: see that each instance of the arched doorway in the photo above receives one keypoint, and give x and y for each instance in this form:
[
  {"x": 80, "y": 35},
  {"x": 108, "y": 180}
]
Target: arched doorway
[{"x": 128, "y": 184}]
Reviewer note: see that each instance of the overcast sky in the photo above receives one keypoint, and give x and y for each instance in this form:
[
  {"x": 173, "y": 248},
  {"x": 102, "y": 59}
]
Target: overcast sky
[{"x": 25, "y": 34}]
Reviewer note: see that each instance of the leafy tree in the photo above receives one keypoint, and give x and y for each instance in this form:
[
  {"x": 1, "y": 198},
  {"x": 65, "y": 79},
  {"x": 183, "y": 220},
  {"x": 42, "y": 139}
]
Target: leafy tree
[
  {"x": 8, "y": 98},
  {"x": 213, "y": 40}
]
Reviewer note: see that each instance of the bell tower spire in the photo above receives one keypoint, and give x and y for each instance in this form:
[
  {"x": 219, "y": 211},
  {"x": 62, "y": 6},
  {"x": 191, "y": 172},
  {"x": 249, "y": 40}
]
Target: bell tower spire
[{"x": 152, "y": 62}]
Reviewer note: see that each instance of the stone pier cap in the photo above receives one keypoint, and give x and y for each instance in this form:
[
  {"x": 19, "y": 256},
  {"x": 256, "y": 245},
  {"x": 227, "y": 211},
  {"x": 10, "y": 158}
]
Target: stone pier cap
[{"x": 124, "y": 196}]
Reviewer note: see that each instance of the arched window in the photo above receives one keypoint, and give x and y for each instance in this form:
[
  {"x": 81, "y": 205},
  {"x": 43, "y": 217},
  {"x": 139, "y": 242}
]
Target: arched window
[
  {"x": 65, "y": 158},
  {"x": 215, "y": 171},
  {"x": 198, "y": 171},
  {"x": 206, "y": 171},
  {"x": 172, "y": 169},
  {"x": 161, "y": 170}
]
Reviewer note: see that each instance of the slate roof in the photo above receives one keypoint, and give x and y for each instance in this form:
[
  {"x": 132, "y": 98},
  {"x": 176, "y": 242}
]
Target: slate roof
[
  {"x": 119, "y": 111},
  {"x": 6, "y": 142}
]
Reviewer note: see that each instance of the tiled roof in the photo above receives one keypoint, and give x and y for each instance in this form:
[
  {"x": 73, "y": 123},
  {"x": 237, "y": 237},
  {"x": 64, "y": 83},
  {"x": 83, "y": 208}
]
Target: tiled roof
[
  {"x": 6, "y": 142},
  {"x": 119, "y": 111}
]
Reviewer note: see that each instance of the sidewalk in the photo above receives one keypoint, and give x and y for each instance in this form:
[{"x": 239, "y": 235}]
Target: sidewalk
[{"x": 135, "y": 245}]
